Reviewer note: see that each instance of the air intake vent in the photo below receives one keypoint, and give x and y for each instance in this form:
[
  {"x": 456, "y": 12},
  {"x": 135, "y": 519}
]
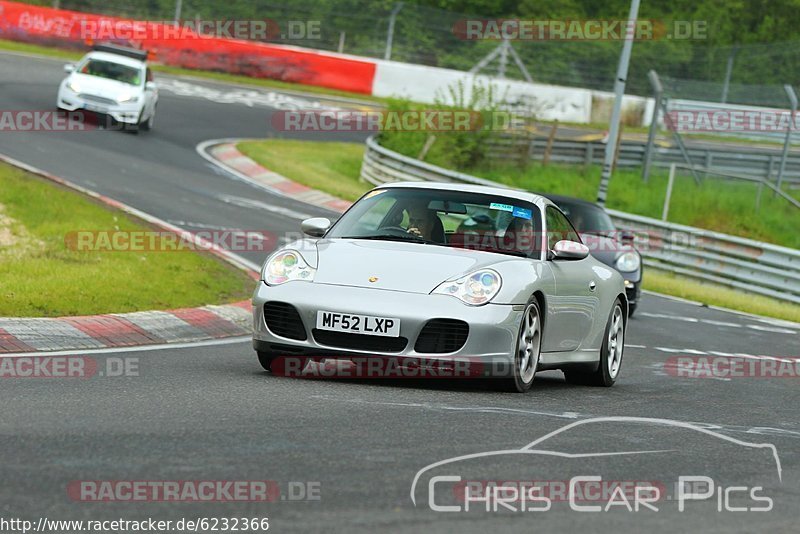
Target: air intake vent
[
  {"x": 343, "y": 340},
  {"x": 442, "y": 336},
  {"x": 283, "y": 320}
]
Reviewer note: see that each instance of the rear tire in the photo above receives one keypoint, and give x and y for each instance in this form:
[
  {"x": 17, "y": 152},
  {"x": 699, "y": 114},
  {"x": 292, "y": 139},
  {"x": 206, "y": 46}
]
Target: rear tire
[
  {"x": 610, "y": 353},
  {"x": 527, "y": 349},
  {"x": 631, "y": 309}
]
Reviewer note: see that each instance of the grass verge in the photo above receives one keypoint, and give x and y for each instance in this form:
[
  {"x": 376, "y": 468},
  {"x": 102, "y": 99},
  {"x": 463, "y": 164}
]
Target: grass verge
[
  {"x": 73, "y": 55},
  {"x": 327, "y": 166},
  {"x": 41, "y": 277},
  {"x": 334, "y": 168},
  {"x": 718, "y": 295}
]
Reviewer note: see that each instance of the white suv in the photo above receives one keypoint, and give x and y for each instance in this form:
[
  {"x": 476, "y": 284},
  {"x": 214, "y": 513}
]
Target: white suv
[{"x": 113, "y": 81}]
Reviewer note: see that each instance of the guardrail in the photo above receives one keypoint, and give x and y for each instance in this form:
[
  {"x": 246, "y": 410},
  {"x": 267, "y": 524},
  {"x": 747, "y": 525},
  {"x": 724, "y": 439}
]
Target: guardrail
[
  {"x": 763, "y": 163},
  {"x": 736, "y": 262}
]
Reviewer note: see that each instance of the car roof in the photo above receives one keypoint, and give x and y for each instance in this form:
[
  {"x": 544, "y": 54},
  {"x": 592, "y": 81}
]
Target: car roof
[
  {"x": 116, "y": 58},
  {"x": 560, "y": 199},
  {"x": 526, "y": 196}
]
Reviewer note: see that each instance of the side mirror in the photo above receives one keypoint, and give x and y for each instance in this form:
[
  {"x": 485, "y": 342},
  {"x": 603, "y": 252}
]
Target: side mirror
[
  {"x": 570, "y": 250},
  {"x": 69, "y": 68},
  {"x": 315, "y": 227},
  {"x": 150, "y": 86}
]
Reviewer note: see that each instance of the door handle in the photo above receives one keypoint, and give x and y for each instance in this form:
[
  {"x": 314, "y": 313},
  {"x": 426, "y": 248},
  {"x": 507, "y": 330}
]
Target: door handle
[{"x": 592, "y": 285}]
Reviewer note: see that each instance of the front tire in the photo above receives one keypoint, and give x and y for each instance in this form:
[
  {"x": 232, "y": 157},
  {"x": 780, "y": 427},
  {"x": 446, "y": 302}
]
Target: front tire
[
  {"x": 148, "y": 125},
  {"x": 266, "y": 359},
  {"x": 610, "y": 353},
  {"x": 527, "y": 348}
]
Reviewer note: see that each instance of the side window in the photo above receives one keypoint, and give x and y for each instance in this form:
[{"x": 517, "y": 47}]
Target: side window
[{"x": 559, "y": 228}]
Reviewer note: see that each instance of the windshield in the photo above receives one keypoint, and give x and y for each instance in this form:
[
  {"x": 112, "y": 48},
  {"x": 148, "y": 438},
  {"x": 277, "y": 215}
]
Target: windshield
[
  {"x": 587, "y": 219},
  {"x": 112, "y": 71},
  {"x": 444, "y": 218}
]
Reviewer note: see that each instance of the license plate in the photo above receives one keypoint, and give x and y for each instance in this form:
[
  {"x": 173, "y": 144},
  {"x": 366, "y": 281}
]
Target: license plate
[
  {"x": 96, "y": 109},
  {"x": 358, "y": 324}
]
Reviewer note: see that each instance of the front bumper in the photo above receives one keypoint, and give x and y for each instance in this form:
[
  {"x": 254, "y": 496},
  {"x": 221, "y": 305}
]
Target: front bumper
[
  {"x": 123, "y": 113},
  {"x": 492, "y": 328},
  {"x": 633, "y": 290}
]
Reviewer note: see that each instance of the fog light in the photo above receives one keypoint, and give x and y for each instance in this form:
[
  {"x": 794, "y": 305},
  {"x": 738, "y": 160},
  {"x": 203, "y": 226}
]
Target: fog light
[{"x": 628, "y": 284}]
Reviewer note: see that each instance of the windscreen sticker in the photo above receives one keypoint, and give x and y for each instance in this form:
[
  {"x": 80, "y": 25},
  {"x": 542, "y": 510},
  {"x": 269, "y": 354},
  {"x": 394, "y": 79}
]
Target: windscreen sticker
[
  {"x": 501, "y": 207},
  {"x": 522, "y": 213}
]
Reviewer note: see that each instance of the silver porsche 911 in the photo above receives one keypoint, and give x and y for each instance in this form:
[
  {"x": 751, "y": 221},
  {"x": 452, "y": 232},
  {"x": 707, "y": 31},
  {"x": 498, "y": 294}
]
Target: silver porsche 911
[{"x": 448, "y": 273}]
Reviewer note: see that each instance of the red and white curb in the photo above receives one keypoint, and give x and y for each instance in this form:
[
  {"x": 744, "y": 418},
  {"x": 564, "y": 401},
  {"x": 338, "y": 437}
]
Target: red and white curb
[
  {"x": 224, "y": 154},
  {"x": 19, "y": 335}
]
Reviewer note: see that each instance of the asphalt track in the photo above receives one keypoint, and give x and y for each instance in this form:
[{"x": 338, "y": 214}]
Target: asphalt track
[{"x": 210, "y": 413}]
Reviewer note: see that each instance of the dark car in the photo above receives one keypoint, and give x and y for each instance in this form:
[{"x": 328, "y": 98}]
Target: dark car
[{"x": 609, "y": 245}]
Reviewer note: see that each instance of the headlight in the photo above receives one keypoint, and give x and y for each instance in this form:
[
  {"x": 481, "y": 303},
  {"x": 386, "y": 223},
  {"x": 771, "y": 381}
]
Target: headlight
[
  {"x": 74, "y": 87},
  {"x": 285, "y": 267},
  {"x": 127, "y": 97},
  {"x": 474, "y": 289},
  {"x": 628, "y": 262}
]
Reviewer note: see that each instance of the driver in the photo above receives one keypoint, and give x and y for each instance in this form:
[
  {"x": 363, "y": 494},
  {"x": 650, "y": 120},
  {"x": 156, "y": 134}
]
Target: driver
[{"x": 421, "y": 221}]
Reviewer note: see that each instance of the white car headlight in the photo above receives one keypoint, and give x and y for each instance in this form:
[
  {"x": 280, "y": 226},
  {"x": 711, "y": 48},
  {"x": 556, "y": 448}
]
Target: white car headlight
[
  {"x": 628, "y": 262},
  {"x": 474, "y": 289},
  {"x": 285, "y": 267},
  {"x": 127, "y": 97},
  {"x": 74, "y": 87}
]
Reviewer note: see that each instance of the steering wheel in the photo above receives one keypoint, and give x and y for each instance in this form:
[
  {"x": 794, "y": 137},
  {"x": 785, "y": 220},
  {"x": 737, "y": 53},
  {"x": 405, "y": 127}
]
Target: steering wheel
[{"x": 398, "y": 229}]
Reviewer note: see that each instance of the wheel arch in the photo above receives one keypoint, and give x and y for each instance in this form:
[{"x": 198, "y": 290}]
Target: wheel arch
[
  {"x": 624, "y": 299},
  {"x": 538, "y": 295}
]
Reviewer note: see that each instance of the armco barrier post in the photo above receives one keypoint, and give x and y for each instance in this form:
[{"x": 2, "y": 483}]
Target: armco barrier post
[
  {"x": 390, "y": 35},
  {"x": 665, "y": 211},
  {"x": 616, "y": 111},
  {"x": 178, "y": 9},
  {"x": 793, "y": 101},
  {"x": 548, "y": 150},
  {"x": 658, "y": 91}
]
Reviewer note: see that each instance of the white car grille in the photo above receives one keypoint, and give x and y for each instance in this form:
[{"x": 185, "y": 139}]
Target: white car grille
[{"x": 98, "y": 99}]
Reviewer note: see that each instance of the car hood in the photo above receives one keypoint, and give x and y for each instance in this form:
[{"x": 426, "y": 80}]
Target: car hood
[
  {"x": 408, "y": 267},
  {"x": 106, "y": 88}
]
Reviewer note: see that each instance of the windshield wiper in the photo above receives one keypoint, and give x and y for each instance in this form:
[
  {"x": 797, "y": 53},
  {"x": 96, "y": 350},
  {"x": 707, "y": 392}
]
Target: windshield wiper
[{"x": 394, "y": 237}]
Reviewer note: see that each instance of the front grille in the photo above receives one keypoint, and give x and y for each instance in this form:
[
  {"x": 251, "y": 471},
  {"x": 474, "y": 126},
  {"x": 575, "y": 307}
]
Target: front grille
[
  {"x": 98, "y": 99},
  {"x": 283, "y": 320},
  {"x": 440, "y": 336},
  {"x": 344, "y": 340}
]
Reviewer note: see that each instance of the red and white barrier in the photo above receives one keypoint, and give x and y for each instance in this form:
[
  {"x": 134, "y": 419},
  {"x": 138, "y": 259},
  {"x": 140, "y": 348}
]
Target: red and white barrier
[
  {"x": 24, "y": 22},
  {"x": 420, "y": 83}
]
